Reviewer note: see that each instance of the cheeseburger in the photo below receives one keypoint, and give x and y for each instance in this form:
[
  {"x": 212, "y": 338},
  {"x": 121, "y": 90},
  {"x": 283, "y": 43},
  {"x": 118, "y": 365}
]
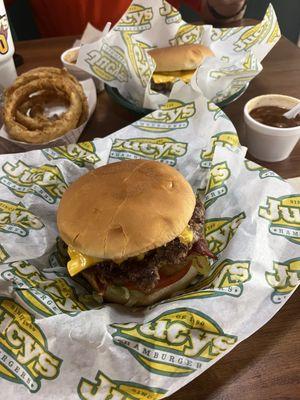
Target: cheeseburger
[
  {"x": 177, "y": 62},
  {"x": 129, "y": 228}
]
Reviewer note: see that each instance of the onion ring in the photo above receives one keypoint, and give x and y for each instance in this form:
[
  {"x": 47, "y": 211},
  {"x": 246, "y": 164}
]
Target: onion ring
[
  {"x": 57, "y": 128},
  {"x": 31, "y": 112},
  {"x": 50, "y": 72},
  {"x": 39, "y": 73},
  {"x": 25, "y": 100}
]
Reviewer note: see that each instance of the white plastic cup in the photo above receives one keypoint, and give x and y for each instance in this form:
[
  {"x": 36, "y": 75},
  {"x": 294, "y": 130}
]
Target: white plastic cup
[
  {"x": 7, "y": 67},
  {"x": 268, "y": 143}
]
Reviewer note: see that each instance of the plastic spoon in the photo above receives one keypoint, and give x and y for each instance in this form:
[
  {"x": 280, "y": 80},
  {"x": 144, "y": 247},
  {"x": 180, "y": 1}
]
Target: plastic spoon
[{"x": 292, "y": 113}]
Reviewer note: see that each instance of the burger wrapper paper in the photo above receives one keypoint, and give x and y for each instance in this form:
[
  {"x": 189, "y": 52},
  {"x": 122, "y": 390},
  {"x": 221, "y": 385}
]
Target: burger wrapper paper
[
  {"x": 9, "y": 145},
  {"x": 58, "y": 340},
  {"x": 90, "y": 35},
  {"x": 121, "y": 59}
]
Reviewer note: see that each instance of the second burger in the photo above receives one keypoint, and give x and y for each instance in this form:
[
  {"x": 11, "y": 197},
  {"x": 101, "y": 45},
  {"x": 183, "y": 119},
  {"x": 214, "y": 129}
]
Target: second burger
[{"x": 176, "y": 62}]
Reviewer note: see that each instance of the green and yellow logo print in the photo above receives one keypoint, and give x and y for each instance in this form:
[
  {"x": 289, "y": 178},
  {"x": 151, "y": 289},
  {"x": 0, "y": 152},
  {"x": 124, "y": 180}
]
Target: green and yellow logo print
[
  {"x": 80, "y": 154},
  {"x": 284, "y": 216},
  {"x": 224, "y": 33},
  {"x": 42, "y": 295},
  {"x": 136, "y": 50},
  {"x": 175, "y": 343},
  {"x": 219, "y": 231},
  {"x": 46, "y": 181},
  {"x": 24, "y": 354},
  {"x": 15, "y": 218},
  {"x": 3, "y": 34},
  {"x": 3, "y": 255},
  {"x": 109, "y": 63},
  {"x": 136, "y": 19},
  {"x": 170, "y": 13},
  {"x": 250, "y": 64},
  {"x": 173, "y": 115},
  {"x": 226, "y": 278},
  {"x": 237, "y": 85},
  {"x": 284, "y": 279},
  {"x": 105, "y": 388},
  {"x": 225, "y": 139},
  {"x": 218, "y": 113},
  {"x": 164, "y": 149},
  {"x": 263, "y": 172},
  {"x": 187, "y": 34},
  {"x": 267, "y": 31},
  {"x": 216, "y": 187}
]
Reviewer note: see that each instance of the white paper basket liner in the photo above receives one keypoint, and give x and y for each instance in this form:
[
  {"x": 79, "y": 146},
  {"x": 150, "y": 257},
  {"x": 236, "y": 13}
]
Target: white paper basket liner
[{"x": 249, "y": 227}]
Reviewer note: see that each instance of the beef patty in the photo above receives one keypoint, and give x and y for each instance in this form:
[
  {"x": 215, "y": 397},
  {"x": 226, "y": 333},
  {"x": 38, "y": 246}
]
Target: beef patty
[
  {"x": 164, "y": 88},
  {"x": 144, "y": 274}
]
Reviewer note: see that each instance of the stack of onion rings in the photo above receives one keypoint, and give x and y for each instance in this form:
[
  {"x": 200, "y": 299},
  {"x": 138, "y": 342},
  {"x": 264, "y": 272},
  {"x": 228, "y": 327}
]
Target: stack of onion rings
[{"x": 26, "y": 99}]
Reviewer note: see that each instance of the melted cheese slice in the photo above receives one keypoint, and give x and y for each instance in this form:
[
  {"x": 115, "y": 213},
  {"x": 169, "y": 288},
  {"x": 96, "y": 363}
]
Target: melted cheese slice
[
  {"x": 79, "y": 262},
  {"x": 165, "y": 77},
  {"x": 186, "y": 236}
]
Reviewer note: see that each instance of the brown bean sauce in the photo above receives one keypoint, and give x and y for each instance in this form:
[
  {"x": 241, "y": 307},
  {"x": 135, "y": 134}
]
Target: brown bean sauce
[{"x": 273, "y": 116}]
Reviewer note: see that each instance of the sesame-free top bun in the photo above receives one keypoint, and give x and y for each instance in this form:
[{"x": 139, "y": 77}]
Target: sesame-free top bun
[
  {"x": 124, "y": 209},
  {"x": 180, "y": 58}
]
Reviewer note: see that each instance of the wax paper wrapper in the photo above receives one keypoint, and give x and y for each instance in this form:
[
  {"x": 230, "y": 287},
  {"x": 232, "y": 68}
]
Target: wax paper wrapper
[
  {"x": 9, "y": 145},
  {"x": 121, "y": 58},
  {"x": 58, "y": 340},
  {"x": 90, "y": 35}
]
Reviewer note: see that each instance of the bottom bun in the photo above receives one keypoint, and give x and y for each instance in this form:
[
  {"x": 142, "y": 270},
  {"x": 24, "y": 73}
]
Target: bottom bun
[{"x": 122, "y": 295}]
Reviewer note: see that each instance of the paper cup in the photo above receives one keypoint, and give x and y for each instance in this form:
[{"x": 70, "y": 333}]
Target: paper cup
[
  {"x": 8, "y": 145},
  {"x": 68, "y": 59},
  {"x": 268, "y": 143}
]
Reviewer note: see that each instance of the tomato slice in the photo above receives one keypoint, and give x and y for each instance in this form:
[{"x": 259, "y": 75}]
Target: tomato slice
[{"x": 165, "y": 280}]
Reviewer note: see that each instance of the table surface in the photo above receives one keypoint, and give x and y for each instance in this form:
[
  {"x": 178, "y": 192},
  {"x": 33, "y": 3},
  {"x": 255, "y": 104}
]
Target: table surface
[{"x": 267, "y": 365}]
